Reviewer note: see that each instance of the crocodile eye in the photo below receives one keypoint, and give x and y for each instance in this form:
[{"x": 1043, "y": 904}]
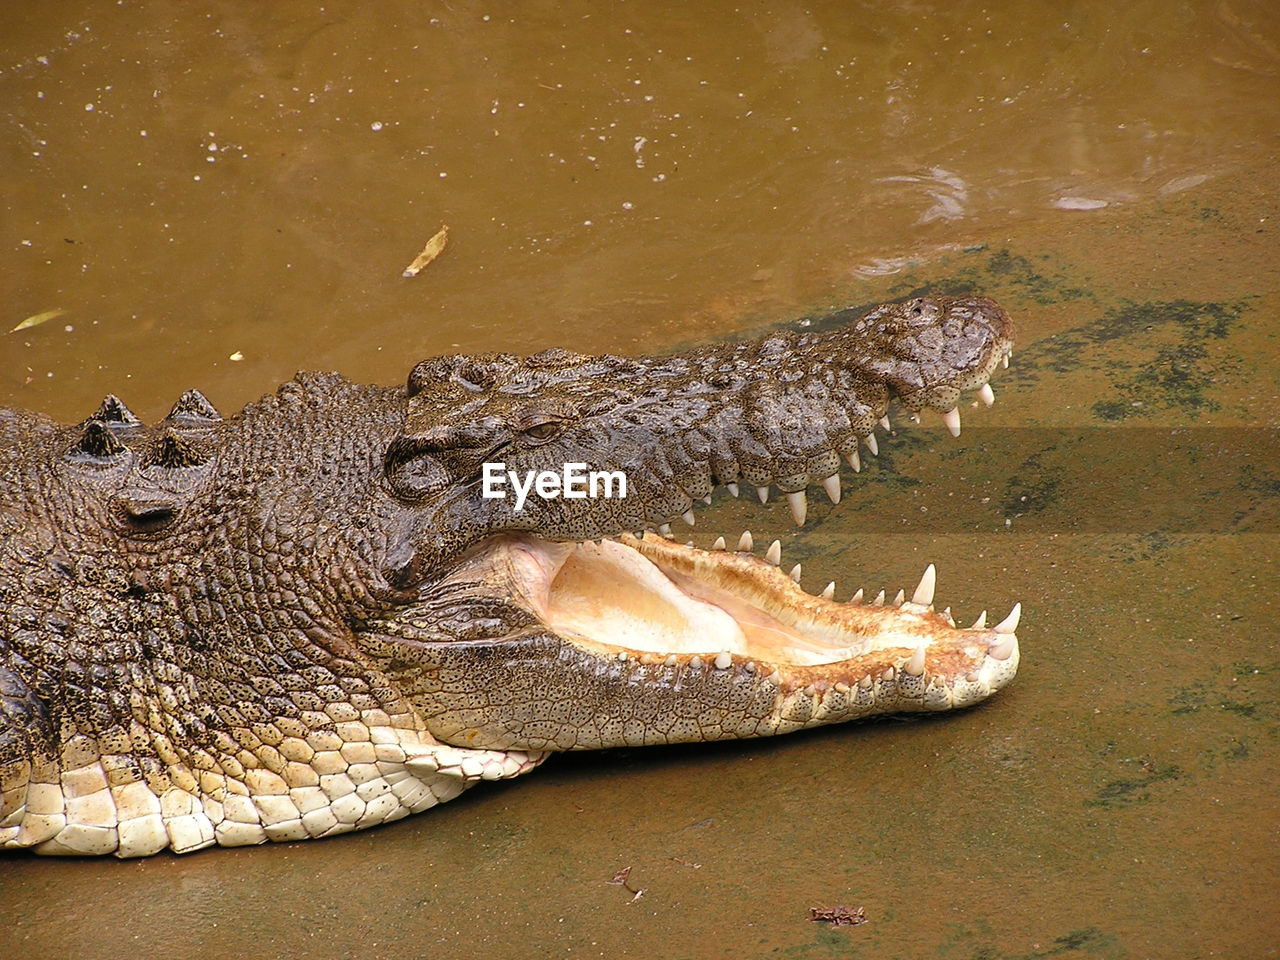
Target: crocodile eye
[{"x": 544, "y": 431}]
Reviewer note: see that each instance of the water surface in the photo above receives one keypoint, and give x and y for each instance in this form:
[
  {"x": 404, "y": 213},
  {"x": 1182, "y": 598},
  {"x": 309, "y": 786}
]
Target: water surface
[{"x": 217, "y": 194}]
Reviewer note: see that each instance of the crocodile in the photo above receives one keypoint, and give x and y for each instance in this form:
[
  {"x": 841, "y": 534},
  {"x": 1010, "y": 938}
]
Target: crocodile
[{"x": 320, "y": 615}]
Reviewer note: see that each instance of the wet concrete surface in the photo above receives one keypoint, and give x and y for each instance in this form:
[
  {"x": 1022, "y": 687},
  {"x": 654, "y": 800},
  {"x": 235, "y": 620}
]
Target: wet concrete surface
[{"x": 194, "y": 182}]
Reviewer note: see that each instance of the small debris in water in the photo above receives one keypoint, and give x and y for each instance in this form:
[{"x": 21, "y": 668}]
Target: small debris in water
[
  {"x": 838, "y": 916},
  {"x": 236, "y": 356},
  {"x": 687, "y": 863},
  {"x": 1079, "y": 203},
  {"x": 36, "y": 319},
  {"x": 433, "y": 249},
  {"x": 620, "y": 879}
]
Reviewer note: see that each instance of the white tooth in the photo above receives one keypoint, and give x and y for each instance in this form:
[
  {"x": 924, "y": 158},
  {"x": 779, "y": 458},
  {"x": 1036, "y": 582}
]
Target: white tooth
[
  {"x": 866, "y": 681},
  {"x": 924, "y": 592},
  {"x": 888, "y": 675},
  {"x": 723, "y": 659},
  {"x": 795, "y": 573},
  {"x": 695, "y": 662},
  {"x": 719, "y": 544},
  {"x": 901, "y": 596},
  {"x": 830, "y": 591},
  {"x": 671, "y": 660},
  {"x": 745, "y": 543},
  {"x": 688, "y": 543},
  {"x": 622, "y": 655},
  {"x": 1010, "y": 623},
  {"x": 832, "y": 487},
  {"x": 688, "y": 517},
  {"x": 799, "y": 504},
  {"x": 874, "y": 447},
  {"x": 952, "y": 419},
  {"x": 707, "y": 499},
  {"x": 884, "y": 422},
  {"x": 841, "y": 687},
  {"x": 665, "y": 530},
  {"x": 915, "y": 666},
  {"x": 857, "y": 596},
  {"x": 774, "y": 553},
  {"x": 946, "y": 615},
  {"x": 1005, "y": 359},
  {"x": 749, "y": 666},
  {"x": 987, "y": 394},
  {"x": 763, "y": 494},
  {"x": 981, "y": 622},
  {"x": 879, "y": 600},
  {"x": 915, "y": 418},
  {"x": 733, "y": 489},
  {"x": 854, "y": 463}
]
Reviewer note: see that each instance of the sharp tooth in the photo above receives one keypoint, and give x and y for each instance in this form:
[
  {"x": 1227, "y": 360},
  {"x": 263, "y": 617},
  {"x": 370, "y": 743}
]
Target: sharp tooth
[
  {"x": 795, "y": 573},
  {"x": 665, "y": 530},
  {"x": 707, "y": 499},
  {"x": 733, "y": 489},
  {"x": 622, "y": 655},
  {"x": 888, "y": 675},
  {"x": 857, "y": 596},
  {"x": 1005, "y": 359},
  {"x": 924, "y": 592},
  {"x": 695, "y": 662},
  {"x": 865, "y": 682},
  {"x": 915, "y": 418},
  {"x": 981, "y": 622},
  {"x": 774, "y": 553},
  {"x": 952, "y": 419},
  {"x": 987, "y": 394},
  {"x": 671, "y": 660},
  {"x": 884, "y": 422},
  {"x": 901, "y": 596},
  {"x": 723, "y": 659},
  {"x": 946, "y": 615},
  {"x": 719, "y": 544},
  {"x": 1010, "y": 623},
  {"x": 832, "y": 487},
  {"x": 799, "y": 504},
  {"x": 688, "y": 517},
  {"x": 745, "y": 543},
  {"x": 915, "y": 666},
  {"x": 879, "y": 600},
  {"x": 763, "y": 494},
  {"x": 854, "y": 463},
  {"x": 830, "y": 591},
  {"x": 870, "y": 440}
]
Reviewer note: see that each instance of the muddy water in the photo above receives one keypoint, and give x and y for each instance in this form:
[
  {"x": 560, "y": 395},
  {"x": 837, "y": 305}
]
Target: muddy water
[{"x": 217, "y": 194}]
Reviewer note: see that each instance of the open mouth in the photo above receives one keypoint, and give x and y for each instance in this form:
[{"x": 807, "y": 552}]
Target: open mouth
[{"x": 665, "y": 604}]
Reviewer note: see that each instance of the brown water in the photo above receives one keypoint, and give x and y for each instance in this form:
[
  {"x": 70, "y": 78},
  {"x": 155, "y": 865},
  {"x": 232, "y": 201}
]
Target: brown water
[{"x": 200, "y": 181}]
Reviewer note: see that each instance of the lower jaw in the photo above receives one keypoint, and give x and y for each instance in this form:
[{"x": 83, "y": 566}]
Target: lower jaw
[{"x": 654, "y": 602}]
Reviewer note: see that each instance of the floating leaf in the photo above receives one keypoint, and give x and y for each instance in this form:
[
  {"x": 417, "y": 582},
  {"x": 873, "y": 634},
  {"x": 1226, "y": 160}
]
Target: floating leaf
[
  {"x": 433, "y": 249},
  {"x": 39, "y": 318}
]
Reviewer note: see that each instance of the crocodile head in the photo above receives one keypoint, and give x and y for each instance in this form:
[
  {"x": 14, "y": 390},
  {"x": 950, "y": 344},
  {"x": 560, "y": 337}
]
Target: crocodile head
[
  {"x": 313, "y": 617},
  {"x": 599, "y": 635}
]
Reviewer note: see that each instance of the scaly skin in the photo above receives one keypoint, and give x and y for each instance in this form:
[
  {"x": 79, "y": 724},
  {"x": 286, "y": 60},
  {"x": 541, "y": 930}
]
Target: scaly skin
[{"x": 306, "y": 619}]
